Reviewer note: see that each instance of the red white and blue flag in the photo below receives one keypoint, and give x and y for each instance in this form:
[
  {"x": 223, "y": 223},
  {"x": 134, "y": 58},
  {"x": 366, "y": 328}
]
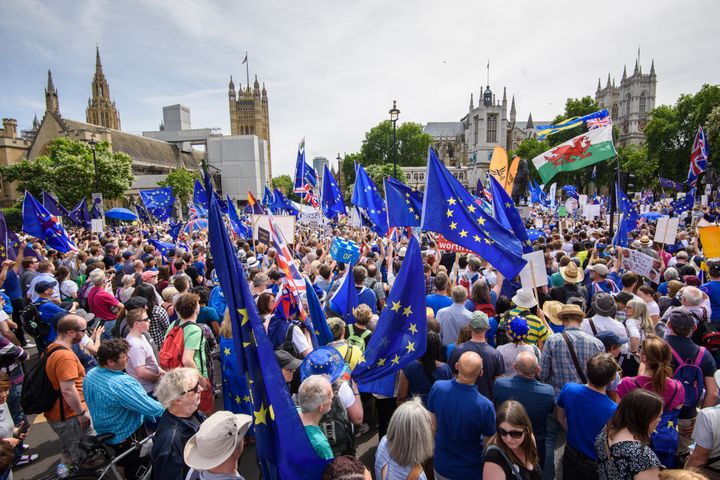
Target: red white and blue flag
[
  {"x": 598, "y": 122},
  {"x": 311, "y": 199},
  {"x": 698, "y": 158},
  {"x": 293, "y": 280}
]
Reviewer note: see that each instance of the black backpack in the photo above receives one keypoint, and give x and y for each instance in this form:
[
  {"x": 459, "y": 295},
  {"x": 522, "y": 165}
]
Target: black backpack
[
  {"x": 38, "y": 394},
  {"x": 32, "y": 322},
  {"x": 337, "y": 428}
]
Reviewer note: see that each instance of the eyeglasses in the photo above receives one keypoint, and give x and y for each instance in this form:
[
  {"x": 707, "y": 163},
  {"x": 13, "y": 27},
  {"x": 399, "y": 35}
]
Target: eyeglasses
[
  {"x": 511, "y": 433},
  {"x": 80, "y": 330},
  {"x": 196, "y": 389},
  {"x": 144, "y": 319}
]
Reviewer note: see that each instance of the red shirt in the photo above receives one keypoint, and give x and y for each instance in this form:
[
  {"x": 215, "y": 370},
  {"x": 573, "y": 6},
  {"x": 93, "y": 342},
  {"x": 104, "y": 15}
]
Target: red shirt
[{"x": 101, "y": 302}]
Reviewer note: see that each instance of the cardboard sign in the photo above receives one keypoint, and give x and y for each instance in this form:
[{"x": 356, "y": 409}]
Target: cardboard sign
[
  {"x": 98, "y": 225},
  {"x": 448, "y": 246},
  {"x": 642, "y": 264},
  {"x": 263, "y": 236},
  {"x": 591, "y": 211},
  {"x": 666, "y": 230},
  {"x": 534, "y": 274},
  {"x": 583, "y": 200},
  {"x": 285, "y": 223},
  {"x": 710, "y": 238}
]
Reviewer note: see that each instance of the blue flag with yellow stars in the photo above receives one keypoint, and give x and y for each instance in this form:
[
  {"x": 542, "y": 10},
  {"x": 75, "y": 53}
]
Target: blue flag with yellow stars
[
  {"x": 449, "y": 209},
  {"x": 345, "y": 299},
  {"x": 404, "y": 204},
  {"x": 80, "y": 215},
  {"x": 37, "y": 222},
  {"x": 628, "y": 218},
  {"x": 367, "y": 198},
  {"x": 174, "y": 230},
  {"x": 400, "y": 335},
  {"x": 163, "y": 247},
  {"x": 199, "y": 195},
  {"x": 317, "y": 315},
  {"x": 159, "y": 202},
  {"x": 282, "y": 446},
  {"x": 143, "y": 214},
  {"x": 332, "y": 201},
  {"x": 508, "y": 215},
  {"x": 237, "y": 225},
  {"x": 268, "y": 200},
  {"x": 53, "y": 206},
  {"x": 283, "y": 205},
  {"x": 236, "y": 392},
  {"x": 684, "y": 204}
]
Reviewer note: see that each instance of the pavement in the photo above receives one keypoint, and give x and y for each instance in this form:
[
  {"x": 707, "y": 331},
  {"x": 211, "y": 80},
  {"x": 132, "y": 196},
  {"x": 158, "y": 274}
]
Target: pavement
[{"x": 45, "y": 443}]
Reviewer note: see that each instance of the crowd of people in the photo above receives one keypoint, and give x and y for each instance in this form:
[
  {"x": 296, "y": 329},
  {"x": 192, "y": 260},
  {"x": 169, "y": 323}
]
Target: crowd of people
[{"x": 598, "y": 374}]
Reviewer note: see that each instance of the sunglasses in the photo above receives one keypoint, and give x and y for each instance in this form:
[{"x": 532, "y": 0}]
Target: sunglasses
[
  {"x": 196, "y": 389},
  {"x": 510, "y": 433}
]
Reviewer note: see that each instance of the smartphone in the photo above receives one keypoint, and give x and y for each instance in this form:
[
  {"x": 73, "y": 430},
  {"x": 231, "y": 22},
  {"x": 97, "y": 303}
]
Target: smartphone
[{"x": 23, "y": 428}]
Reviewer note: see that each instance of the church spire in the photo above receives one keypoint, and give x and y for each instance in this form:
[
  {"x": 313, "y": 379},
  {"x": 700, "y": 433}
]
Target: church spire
[
  {"x": 98, "y": 64},
  {"x": 472, "y": 102},
  {"x": 101, "y": 109},
  {"x": 52, "y": 104},
  {"x": 652, "y": 67},
  {"x": 608, "y": 82},
  {"x": 512, "y": 110},
  {"x": 599, "y": 87},
  {"x": 624, "y": 72},
  {"x": 530, "y": 125}
]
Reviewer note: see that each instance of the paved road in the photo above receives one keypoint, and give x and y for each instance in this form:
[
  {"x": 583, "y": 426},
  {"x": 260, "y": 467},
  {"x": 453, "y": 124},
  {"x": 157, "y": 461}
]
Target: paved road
[{"x": 44, "y": 442}]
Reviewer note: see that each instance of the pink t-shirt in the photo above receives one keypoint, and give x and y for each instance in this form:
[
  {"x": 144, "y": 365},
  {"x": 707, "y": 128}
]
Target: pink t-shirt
[
  {"x": 627, "y": 385},
  {"x": 101, "y": 302}
]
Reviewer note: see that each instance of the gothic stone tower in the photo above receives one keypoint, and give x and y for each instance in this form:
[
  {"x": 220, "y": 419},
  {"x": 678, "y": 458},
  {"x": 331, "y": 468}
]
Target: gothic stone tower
[
  {"x": 249, "y": 113},
  {"x": 52, "y": 103},
  {"x": 101, "y": 110}
]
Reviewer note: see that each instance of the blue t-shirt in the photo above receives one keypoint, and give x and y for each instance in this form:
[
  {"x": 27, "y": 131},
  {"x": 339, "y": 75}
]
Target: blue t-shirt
[
  {"x": 418, "y": 380},
  {"x": 463, "y": 418},
  {"x": 217, "y": 300},
  {"x": 50, "y": 313},
  {"x": 712, "y": 289},
  {"x": 7, "y": 307},
  {"x": 437, "y": 301},
  {"x": 587, "y": 412},
  {"x": 208, "y": 315},
  {"x": 367, "y": 296},
  {"x": 12, "y": 285},
  {"x": 538, "y": 399}
]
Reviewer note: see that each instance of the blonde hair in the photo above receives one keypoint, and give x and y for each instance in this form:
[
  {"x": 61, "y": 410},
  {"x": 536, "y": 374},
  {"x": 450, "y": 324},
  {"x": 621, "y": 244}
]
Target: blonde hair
[
  {"x": 226, "y": 325},
  {"x": 691, "y": 474},
  {"x": 640, "y": 312}
]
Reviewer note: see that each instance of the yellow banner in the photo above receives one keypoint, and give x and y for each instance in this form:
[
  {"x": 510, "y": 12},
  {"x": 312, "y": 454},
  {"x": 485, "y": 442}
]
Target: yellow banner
[
  {"x": 511, "y": 175},
  {"x": 710, "y": 238},
  {"x": 499, "y": 165}
]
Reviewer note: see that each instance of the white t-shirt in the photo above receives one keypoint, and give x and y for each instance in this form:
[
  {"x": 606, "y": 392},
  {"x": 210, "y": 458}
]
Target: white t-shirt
[
  {"x": 707, "y": 431},
  {"x": 653, "y": 308},
  {"x": 299, "y": 340},
  {"x": 346, "y": 394},
  {"x": 605, "y": 323},
  {"x": 141, "y": 355},
  {"x": 68, "y": 288}
]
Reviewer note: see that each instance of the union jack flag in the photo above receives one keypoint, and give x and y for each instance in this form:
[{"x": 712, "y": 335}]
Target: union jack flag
[
  {"x": 598, "y": 122},
  {"x": 698, "y": 158},
  {"x": 311, "y": 199},
  {"x": 293, "y": 280}
]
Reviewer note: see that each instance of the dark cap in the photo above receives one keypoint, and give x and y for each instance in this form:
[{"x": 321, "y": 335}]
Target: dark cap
[
  {"x": 611, "y": 339},
  {"x": 287, "y": 361},
  {"x": 43, "y": 285},
  {"x": 714, "y": 268},
  {"x": 623, "y": 297},
  {"x": 127, "y": 254},
  {"x": 681, "y": 318},
  {"x": 136, "y": 302}
]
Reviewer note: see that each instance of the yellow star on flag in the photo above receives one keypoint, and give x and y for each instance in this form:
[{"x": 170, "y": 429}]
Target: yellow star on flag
[
  {"x": 396, "y": 360},
  {"x": 407, "y": 311},
  {"x": 449, "y": 213},
  {"x": 453, "y": 226},
  {"x": 381, "y": 362},
  {"x": 243, "y": 313},
  {"x": 451, "y": 201},
  {"x": 260, "y": 415},
  {"x": 226, "y": 351},
  {"x": 463, "y": 233},
  {"x": 246, "y": 399},
  {"x": 413, "y": 328},
  {"x": 237, "y": 399},
  {"x": 395, "y": 307},
  {"x": 471, "y": 208},
  {"x": 481, "y": 220},
  {"x": 477, "y": 238},
  {"x": 410, "y": 347}
]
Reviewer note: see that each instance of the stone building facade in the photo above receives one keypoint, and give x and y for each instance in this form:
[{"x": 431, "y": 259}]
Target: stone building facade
[
  {"x": 101, "y": 110},
  {"x": 249, "y": 113}
]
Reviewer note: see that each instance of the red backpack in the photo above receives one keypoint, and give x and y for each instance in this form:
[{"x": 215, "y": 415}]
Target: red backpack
[{"x": 173, "y": 346}]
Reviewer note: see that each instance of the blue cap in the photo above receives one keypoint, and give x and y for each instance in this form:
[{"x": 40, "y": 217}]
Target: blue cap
[{"x": 611, "y": 339}]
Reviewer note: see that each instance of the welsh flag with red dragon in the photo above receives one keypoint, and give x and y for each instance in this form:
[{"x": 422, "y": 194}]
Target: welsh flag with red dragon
[{"x": 579, "y": 152}]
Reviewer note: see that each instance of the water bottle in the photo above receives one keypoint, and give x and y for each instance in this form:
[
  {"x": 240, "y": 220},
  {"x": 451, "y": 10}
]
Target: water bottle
[{"x": 62, "y": 471}]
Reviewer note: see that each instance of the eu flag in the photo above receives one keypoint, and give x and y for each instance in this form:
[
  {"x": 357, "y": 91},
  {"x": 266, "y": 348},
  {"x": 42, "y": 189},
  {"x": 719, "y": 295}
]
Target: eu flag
[
  {"x": 282, "y": 446},
  {"x": 628, "y": 218},
  {"x": 143, "y": 214},
  {"x": 95, "y": 212},
  {"x": 237, "y": 225},
  {"x": 6, "y": 245},
  {"x": 199, "y": 195},
  {"x": 404, "y": 204},
  {"x": 163, "y": 247},
  {"x": 283, "y": 205},
  {"x": 159, "y": 202},
  {"x": 368, "y": 199},
  {"x": 53, "y": 206},
  {"x": 305, "y": 175},
  {"x": 507, "y": 214},
  {"x": 345, "y": 298},
  {"x": 174, "y": 230},
  {"x": 269, "y": 200},
  {"x": 38, "y": 223},
  {"x": 400, "y": 335},
  {"x": 684, "y": 204},
  {"x": 332, "y": 201},
  {"x": 317, "y": 315},
  {"x": 449, "y": 209},
  {"x": 80, "y": 215}
]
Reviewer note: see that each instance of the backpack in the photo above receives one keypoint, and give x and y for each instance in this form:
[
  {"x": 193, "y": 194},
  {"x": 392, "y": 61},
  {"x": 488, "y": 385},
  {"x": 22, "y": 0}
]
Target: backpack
[
  {"x": 32, "y": 322},
  {"x": 173, "y": 346},
  {"x": 708, "y": 333},
  {"x": 38, "y": 393},
  {"x": 664, "y": 440},
  {"x": 288, "y": 344},
  {"x": 691, "y": 376},
  {"x": 357, "y": 340},
  {"x": 337, "y": 428},
  {"x": 82, "y": 296}
]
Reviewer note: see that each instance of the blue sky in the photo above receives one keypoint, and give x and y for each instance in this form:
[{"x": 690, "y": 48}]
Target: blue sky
[{"x": 332, "y": 68}]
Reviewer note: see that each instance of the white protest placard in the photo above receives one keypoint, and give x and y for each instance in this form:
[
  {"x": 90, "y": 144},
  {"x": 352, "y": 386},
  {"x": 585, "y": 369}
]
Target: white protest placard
[
  {"x": 582, "y": 200},
  {"x": 571, "y": 205},
  {"x": 591, "y": 211},
  {"x": 285, "y": 223},
  {"x": 539, "y": 223},
  {"x": 642, "y": 264},
  {"x": 704, "y": 200},
  {"x": 534, "y": 275},
  {"x": 98, "y": 225},
  {"x": 666, "y": 230}
]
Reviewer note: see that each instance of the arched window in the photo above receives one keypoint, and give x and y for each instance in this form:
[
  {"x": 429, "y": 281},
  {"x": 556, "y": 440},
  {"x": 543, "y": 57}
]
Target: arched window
[{"x": 642, "y": 102}]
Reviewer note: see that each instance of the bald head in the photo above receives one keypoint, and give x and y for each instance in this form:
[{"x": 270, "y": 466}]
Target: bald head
[
  {"x": 469, "y": 367},
  {"x": 526, "y": 364}
]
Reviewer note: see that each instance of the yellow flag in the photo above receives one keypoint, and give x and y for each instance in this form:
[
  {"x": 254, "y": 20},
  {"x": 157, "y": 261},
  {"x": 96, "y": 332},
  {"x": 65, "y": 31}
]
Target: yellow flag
[
  {"x": 499, "y": 165},
  {"x": 510, "y": 179},
  {"x": 710, "y": 238}
]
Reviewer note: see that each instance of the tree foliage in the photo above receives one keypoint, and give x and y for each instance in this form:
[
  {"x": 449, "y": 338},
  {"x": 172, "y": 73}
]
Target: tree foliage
[
  {"x": 182, "y": 182},
  {"x": 285, "y": 184},
  {"x": 412, "y": 144},
  {"x": 378, "y": 173},
  {"x": 68, "y": 171}
]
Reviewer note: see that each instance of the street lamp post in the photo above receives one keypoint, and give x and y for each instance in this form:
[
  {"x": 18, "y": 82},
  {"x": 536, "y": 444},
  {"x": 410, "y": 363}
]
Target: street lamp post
[
  {"x": 93, "y": 145},
  {"x": 394, "y": 114}
]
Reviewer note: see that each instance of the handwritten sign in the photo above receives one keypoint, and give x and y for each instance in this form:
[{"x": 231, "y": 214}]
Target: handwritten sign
[
  {"x": 591, "y": 211},
  {"x": 448, "y": 246},
  {"x": 666, "y": 230},
  {"x": 533, "y": 274},
  {"x": 642, "y": 264}
]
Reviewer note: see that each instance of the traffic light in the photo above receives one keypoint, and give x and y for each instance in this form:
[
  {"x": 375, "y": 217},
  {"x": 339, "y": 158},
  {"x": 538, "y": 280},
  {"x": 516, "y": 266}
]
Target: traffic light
[{"x": 627, "y": 181}]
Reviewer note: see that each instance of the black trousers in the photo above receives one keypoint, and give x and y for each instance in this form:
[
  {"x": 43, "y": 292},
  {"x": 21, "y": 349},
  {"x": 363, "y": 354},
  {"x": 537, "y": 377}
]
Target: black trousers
[
  {"x": 385, "y": 408},
  {"x": 18, "y": 305},
  {"x": 577, "y": 466}
]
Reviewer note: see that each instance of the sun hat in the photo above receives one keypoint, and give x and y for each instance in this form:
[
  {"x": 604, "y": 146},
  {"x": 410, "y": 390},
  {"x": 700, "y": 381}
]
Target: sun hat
[
  {"x": 524, "y": 298},
  {"x": 604, "y": 304},
  {"x": 571, "y": 311},
  {"x": 517, "y": 328},
  {"x": 551, "y": 308},
  {"x": 402, "y": 251},
  {"x": 645, "y": 241},
  {"x": 323, "y": 360},
  {"x": 252, "y": 262},
  {"x": 216, "y": 439},
  {"x": 571, "y": 273},
  {"x": 479, "y": 321}
]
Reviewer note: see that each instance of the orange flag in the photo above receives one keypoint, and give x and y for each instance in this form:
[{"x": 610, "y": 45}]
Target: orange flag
[
  {"x": 510, "y": 178},
  {"x": 499, "y": 165}
]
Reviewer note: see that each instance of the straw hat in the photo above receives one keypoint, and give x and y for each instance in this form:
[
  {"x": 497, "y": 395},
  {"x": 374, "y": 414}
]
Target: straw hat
[
  {"x": 551, "y": 308},
  {"x": 524, "y": 298},
  {"x": 571, "y": 273},
  {"x": 571, "y": 311}
]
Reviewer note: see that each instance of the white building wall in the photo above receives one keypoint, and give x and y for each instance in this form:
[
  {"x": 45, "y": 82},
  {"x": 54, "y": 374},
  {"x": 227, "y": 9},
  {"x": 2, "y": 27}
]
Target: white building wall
[{"x": 242, "y": 161}]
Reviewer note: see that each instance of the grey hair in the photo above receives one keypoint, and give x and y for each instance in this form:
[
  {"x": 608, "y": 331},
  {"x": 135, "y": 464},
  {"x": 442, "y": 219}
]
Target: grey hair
[
  {"x": 260, "y": 279},
  {"x": 409, "y": 436},
  {"x": 173, "y": 385},
  {"x": 692, "y": 296},
  {"x": 313, "y": 393},
  {"x": 671, "y": 273},
  {"x": 458, "y": 294}
]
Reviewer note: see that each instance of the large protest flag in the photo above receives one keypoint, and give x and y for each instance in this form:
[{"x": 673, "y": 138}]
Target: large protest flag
[
  {"x": 39, "y": 223},
  {"x": 332, "y": 201},
  {"x": 53, "y": 205},
  {"x": 404, "y": 204},
  {"x": 317, "y": 315},
  {"x": 199, "y": 195},
  {"x": 368, "y": 199},
  {"x": 508, "y": 215},
  {"x": 593, "y": 120},
  {"x": 283, "y": 205},
  {"x": 282, "y": 446},
  {"x": 240, "y": 229},
  {"x": 345, "y": 298},
  {"x": 698, "y": 157},
  {"x": 80, "y": 215},
  {"x": 450, "y": 210},
  {"x": 305, "y": 175},
  {"x": 159, "y": 202},
  {"x": 579, "y": 152},
  {"x": 400, "y": 335}
]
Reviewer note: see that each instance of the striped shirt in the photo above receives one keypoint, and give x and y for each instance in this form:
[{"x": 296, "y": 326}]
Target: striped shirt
[
  {"x": 537, "y": 331},
  {"x": 394, "y": 471},
  {"x": 117, "y": 403}
]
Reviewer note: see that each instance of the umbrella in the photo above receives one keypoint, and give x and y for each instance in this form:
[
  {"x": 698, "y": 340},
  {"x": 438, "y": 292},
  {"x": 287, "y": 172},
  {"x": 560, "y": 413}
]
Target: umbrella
[
  {"x": 195, "y": 224},
  {"x": 121, "y": 214},
  {"x": 651, "y": 215}
]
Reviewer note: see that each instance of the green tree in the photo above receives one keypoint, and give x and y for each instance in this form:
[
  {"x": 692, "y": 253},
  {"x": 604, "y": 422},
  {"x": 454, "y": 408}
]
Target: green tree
[
  {"x": 634, "y": 159},
  {"x": 671, "y": 130},
  {"x": 412, "y": 144},
  {"x": 348, "y": 171},
  {"x": 378, "y": 173},
  {"x": 68, "y": 171},
  {"x": 285, "y": 184},
  {"x": 182, "y": 182}
]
